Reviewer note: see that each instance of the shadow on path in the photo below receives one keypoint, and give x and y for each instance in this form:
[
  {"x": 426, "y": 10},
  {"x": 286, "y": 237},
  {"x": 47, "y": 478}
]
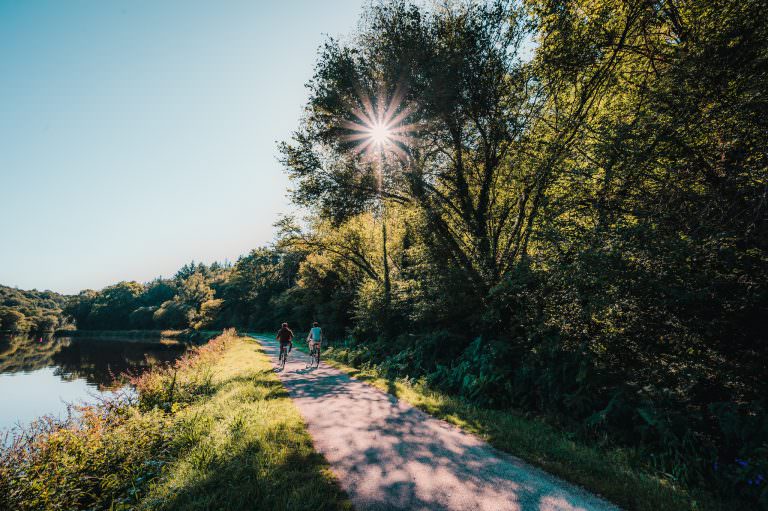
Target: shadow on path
[{"x": 389, "y": 455}]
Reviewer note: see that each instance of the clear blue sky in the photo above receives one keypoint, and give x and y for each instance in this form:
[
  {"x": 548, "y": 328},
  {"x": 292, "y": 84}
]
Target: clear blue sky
[{"x": 136, "y": 136}]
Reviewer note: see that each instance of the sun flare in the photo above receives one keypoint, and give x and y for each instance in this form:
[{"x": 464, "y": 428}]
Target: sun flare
[
  {"x": 381, "y": 126},
  {"x": 380, "y": 134}
]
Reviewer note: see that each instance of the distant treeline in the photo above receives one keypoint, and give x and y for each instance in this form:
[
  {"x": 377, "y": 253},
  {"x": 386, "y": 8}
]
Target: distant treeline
[
  {"x": 25, "y": 311},
  {"x": 199, "y": 297}
]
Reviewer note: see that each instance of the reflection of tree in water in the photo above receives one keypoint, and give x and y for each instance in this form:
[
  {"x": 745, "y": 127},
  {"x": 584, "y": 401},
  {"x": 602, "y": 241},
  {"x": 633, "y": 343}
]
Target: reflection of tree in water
[
  {"x": 20, "y": 353},
  {"x": 97, "y": 361}
]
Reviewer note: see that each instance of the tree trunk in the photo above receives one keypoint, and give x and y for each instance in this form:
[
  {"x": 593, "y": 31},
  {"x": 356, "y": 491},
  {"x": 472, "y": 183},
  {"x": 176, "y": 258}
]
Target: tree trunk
[{"x": 385, "y": 261}]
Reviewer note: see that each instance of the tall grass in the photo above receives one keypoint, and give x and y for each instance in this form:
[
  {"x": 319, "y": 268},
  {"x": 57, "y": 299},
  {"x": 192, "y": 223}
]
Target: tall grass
[
  {"x": 187, "y": 379},
  {"x": 244, "y": 447},
  {"x": 213, "y": 430},
  {"x": 97, "y": 456}
]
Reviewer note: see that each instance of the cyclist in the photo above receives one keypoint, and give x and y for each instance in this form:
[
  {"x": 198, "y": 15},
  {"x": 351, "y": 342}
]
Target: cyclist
[
  {"x": 285, "y": 336},
  {"x": 315, "y": 336}
]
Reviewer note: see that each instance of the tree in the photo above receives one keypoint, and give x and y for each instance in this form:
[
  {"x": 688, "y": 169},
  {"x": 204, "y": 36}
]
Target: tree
[
  {"x": 172, "y": 314},
  {"x": 594, "y": 215},
  {"x": 158, "y": 291},
  {"x": 46, "y": 323},
  {"x": 12, "y": 321},
  {"x": 255, "y": 282},
  {"x": 208, "y": 314},
  {"x": 473, "y": 169},
  {"x": 194, "y": 291},
  {"x": 190, "y": 269},
  {"x": 79, "y": 307},
  {"x": 114, "y": 304},
  {"x": 38, "y": 307},
  {"x": 142, "y": 318}
]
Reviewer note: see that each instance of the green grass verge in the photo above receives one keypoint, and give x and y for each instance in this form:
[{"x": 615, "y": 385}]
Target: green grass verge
[
  {"x": 613, "y": 473},
  {"x": 245, "y": 446},
  {"x": 216, "y": 430}
]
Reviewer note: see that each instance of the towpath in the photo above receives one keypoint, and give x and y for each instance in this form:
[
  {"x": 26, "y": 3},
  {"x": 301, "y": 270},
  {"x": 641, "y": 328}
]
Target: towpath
[{"x": 389, "y": 455}]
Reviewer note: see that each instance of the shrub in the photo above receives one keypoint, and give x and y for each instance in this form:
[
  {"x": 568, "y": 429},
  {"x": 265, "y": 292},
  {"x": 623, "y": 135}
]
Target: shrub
[
  {"x": 92, "y": 459},
  {"x": 103, "y": 456}
]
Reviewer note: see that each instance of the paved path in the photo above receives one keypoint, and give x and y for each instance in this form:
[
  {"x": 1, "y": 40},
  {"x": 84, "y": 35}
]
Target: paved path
[{"x": 390, "y": 456}]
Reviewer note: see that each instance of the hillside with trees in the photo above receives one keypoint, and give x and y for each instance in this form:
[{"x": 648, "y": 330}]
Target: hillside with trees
[
  {"x": 30, "y": 311},
  {"x": 184, "y": 301},
  {"x": 567, "y": 217}
]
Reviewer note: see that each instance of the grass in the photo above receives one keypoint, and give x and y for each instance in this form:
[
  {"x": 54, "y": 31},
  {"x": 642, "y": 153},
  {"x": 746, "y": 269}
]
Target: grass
[
  {"x": 218, "y": 431},
  {"x": 245, "y": 446},
  {"x": 215, "y": 431},
  {"x": 613, "y": 473}
]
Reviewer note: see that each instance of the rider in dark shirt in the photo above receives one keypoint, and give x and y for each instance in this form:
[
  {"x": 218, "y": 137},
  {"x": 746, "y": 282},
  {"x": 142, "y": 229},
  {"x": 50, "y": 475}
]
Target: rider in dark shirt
[{"x": 285, "y": 335}]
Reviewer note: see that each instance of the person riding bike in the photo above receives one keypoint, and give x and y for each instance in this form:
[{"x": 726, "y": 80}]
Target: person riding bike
[
  {"x": 315, "y": 336},
  {"x": 285, "y": 336}
]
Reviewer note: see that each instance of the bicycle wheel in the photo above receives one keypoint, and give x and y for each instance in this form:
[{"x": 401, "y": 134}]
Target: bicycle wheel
[
  {"x": 316, "y": 357},
  {"x": 283, "y": 356},
  {"x": 311, "y": 360}
]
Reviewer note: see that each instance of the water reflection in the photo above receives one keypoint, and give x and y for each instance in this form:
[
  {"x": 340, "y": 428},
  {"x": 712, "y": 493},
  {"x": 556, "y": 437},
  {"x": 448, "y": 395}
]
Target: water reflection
[{"x": 39, "y": 375}]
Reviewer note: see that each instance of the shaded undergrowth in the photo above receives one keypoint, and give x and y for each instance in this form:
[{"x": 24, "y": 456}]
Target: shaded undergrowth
[{"x": 617, "y": 473}]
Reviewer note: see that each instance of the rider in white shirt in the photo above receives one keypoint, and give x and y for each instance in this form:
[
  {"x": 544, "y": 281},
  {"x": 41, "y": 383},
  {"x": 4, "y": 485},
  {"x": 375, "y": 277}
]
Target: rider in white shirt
[{"x": 315, "y": 336}]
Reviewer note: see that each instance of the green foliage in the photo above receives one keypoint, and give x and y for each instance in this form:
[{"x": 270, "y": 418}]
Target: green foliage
[
  {"x": 23, "y": 311},
  {"x": 157, "y": 292},
  {"x": 187, "y": 301},
  {"x": 171, "y": 314},
  {"x": 585, "y": 229},
  {"x": 194, "y": 290},
  {"x": 208, "y": 314},
  {"x": 90, "y": 461},
  {"x": 13, "y": 321},
  {"x": 142, "y": 318},
  {"x": 114, "y": 304}
]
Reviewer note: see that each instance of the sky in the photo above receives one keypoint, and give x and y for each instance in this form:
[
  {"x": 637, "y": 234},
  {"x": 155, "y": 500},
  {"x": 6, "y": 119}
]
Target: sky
[{"x": 136, "y": 136}]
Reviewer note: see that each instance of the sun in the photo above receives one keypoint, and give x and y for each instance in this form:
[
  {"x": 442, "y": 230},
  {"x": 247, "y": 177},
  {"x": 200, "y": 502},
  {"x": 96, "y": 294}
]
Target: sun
[
  {"x": 380, "y": 126},
  {"x": 380, "y": 134}
]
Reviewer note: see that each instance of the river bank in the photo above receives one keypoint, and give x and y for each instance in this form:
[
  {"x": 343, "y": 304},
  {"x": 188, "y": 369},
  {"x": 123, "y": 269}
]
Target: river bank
[
  {"x": 215, "y": 427},
  {"x": 45, "y": 375}
]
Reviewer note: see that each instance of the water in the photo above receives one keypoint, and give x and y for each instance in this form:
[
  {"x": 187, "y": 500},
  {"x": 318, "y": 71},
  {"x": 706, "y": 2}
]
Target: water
[{"x": 41, "y": 376}]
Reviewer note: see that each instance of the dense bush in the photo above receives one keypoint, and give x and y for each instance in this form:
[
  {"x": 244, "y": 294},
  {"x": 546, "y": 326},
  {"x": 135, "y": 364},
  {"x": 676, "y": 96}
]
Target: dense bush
[
  {"x": 36, "y": 311},
  {"x": 104, "y": 456},
  {"x": 92, "y": 460}
]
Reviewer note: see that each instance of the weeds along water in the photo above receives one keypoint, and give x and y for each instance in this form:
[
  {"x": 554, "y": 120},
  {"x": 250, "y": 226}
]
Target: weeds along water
[{"x": 216, "y": 426}]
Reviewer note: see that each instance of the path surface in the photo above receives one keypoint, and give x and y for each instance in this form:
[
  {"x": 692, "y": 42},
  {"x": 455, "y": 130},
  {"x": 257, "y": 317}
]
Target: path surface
[{"x": 389, "y": 455}]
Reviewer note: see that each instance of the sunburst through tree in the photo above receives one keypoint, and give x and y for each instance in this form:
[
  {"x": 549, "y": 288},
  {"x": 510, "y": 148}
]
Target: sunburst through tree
[{"x": 381, "y": 126}]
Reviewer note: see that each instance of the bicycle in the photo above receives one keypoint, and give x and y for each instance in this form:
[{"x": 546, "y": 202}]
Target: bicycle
[
  {"x": 314, "y": 356},
  {"x": 283, "y": 357}
]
